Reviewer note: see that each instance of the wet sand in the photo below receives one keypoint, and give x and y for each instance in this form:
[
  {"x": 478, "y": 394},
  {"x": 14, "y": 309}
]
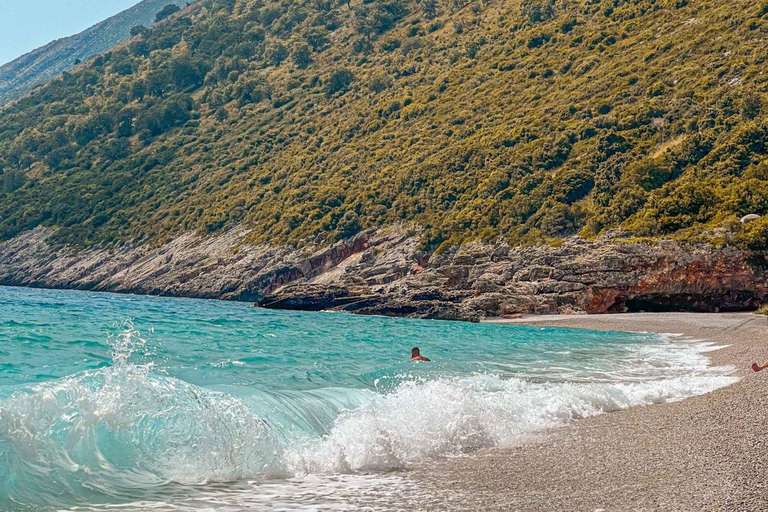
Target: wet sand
[{"x": 708, "y": 452}]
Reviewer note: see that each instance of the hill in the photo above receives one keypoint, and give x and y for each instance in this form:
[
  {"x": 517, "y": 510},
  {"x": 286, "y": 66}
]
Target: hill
[
  {"x": 309, "y": 120},
  {"x": 19, "y": 76}
]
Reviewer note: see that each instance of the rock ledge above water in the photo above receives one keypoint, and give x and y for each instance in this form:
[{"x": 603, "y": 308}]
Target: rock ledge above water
[{"x": 384, "y": 272}]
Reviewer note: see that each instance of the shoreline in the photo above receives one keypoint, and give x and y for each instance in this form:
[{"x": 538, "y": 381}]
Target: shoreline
[{"x": 702, "y": 453}]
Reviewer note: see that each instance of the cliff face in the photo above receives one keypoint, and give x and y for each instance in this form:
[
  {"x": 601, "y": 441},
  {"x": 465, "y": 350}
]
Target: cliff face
[
  {"x": 384, "y": 272},
  {"x": 39, "y": 66}
]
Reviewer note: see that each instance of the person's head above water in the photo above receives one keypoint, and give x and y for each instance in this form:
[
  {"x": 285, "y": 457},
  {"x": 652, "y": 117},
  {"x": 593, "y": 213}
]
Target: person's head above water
[{"x": 416, "y": 355}]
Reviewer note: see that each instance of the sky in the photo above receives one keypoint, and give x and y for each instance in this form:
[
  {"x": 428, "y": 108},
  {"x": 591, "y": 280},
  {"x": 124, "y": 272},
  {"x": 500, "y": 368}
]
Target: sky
[{"x": 29, "y": 24}]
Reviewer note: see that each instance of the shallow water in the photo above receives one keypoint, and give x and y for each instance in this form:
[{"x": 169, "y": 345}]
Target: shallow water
[{"x": 143, "y": 402}]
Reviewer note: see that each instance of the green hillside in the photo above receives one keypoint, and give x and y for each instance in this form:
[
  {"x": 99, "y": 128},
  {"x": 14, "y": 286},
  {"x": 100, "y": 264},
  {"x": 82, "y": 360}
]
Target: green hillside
[{"x": 523, "y": 120}]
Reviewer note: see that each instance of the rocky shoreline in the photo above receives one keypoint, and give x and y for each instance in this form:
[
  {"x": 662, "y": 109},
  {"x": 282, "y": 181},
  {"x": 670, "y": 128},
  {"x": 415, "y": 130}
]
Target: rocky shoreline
[{"x": 385, "y": 272}]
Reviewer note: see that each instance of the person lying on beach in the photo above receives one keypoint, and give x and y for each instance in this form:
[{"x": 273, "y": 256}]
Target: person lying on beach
[
  {"x": 758, "y": 367},
  {"x": 416, "y": 355}
]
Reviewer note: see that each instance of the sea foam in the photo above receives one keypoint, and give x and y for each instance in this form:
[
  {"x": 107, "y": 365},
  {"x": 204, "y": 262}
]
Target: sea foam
[
  {"x": 443, "y": 417},
  {"x": 113, "y": 432},
  {"x": 164, "y": 418}
]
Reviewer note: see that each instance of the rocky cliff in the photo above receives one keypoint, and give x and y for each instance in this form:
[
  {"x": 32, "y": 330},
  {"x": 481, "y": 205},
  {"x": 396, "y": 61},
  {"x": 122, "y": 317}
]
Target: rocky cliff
[{"x": 385, "y": 272}]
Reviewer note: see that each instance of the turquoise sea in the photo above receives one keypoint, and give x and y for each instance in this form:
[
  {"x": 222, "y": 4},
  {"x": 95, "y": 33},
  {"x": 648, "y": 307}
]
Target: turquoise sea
[{"x": 119, "y": 401}]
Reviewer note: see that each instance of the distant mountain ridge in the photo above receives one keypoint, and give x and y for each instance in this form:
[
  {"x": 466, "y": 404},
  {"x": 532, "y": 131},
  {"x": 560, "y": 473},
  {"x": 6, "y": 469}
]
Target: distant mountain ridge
[{"x": 38, "y": 66}]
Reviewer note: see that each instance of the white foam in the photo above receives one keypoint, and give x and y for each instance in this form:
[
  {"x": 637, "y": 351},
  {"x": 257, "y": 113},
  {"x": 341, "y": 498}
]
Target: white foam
[
  {"x": 450, "y": 417},
  {"x": 119, "y": 430}
]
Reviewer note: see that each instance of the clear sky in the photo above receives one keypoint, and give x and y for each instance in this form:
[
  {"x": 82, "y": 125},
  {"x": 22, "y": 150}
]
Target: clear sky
[{"x": 29, "y": 24}]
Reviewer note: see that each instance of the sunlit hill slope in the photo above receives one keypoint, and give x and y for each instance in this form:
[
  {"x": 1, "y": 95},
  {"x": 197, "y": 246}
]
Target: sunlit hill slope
[{"x": 310, "y": 119}]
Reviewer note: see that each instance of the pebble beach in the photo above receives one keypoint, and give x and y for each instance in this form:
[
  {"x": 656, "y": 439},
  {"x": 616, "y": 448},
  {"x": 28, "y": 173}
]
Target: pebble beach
[{"x": 703, "y": 453}]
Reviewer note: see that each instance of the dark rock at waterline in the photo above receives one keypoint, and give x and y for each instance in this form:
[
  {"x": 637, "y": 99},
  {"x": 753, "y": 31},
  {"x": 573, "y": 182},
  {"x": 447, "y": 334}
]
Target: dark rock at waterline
[
  {"x": 419, "y": 304},
  {"x": 384, "y": 272},
  {"x": 313, "y": 297}
]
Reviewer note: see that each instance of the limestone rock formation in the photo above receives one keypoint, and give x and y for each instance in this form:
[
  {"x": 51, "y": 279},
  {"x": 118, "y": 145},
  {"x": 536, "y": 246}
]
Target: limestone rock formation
[
  {"x": 384, "y": 272},
  {"x": 749, "y": 218}
]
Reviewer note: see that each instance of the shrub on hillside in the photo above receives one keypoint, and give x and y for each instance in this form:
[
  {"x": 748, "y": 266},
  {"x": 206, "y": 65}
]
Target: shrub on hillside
[
  {"x": 339, "y": 81},
  {"x": 166, "y": 11}
]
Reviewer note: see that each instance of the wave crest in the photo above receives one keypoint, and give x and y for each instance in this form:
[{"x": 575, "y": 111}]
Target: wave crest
[
  {"x": 447, "y": 417},
  {"x": 118, "y": 431},
  {"x": 115, "y": 434}
]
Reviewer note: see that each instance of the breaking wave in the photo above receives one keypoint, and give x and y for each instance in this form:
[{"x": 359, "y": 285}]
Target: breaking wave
[{"x": 117, "y": 433}]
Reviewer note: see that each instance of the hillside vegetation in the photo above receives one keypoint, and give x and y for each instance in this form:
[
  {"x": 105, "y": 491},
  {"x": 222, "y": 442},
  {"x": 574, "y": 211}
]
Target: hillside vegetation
[
  {"x": 19, "y": 76},
  {"x": 314, "y": 120}
]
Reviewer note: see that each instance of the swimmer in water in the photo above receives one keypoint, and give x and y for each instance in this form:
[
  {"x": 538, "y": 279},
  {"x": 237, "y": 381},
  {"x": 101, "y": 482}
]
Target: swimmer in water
[{"x": 416, "y": 355}]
